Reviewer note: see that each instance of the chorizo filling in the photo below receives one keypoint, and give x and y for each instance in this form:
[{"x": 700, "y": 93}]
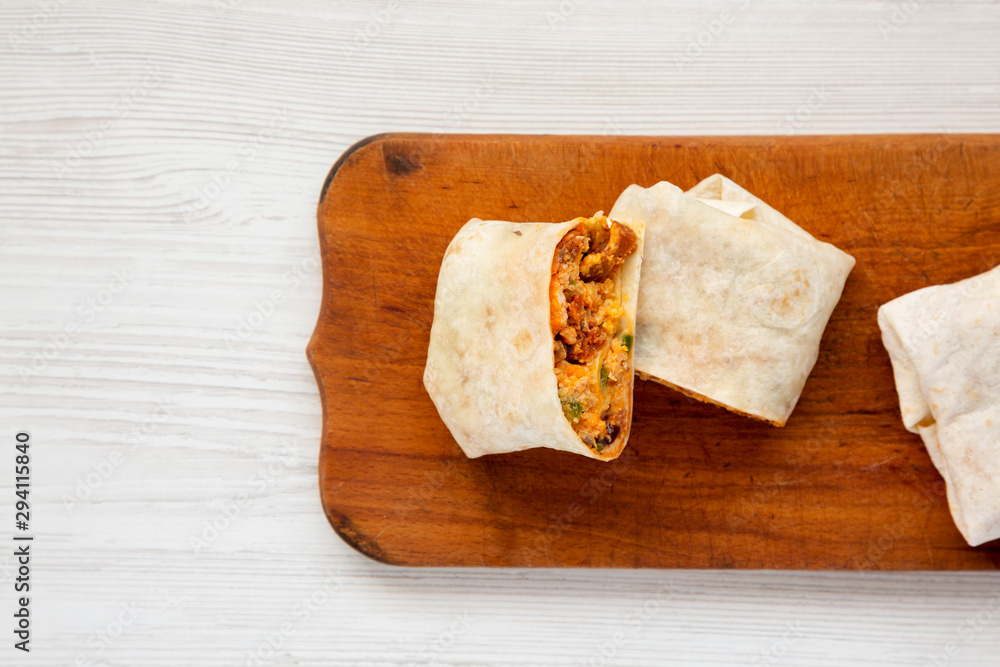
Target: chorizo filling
[{"x": 592, "y": 340}]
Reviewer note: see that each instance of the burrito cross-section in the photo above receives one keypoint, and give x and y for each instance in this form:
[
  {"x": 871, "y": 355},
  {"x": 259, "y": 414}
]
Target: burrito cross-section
[{"x": 531, "y": 343}]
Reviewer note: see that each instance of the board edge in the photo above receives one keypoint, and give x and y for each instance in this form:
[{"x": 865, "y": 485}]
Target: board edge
[{"x": 340, "y": 523}]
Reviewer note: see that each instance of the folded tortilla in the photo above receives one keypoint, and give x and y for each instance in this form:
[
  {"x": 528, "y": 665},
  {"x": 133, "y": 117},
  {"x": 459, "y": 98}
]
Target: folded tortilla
[
  {"x": 498, "y": 370},
  {"x": 734, "y": 296},
  {"x": 944, "y": 343}
]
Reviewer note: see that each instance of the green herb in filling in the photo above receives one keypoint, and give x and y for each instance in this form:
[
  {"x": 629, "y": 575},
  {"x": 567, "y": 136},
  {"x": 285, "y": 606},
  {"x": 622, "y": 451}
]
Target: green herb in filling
[
  {"x": 604, "y": 377},
  {"x": 627, "y": 342},
  {"x": 573, "y": 410}
]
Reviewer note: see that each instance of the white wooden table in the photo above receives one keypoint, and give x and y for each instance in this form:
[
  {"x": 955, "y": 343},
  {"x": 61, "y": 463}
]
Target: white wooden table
[{"x": 160, "y": 164}]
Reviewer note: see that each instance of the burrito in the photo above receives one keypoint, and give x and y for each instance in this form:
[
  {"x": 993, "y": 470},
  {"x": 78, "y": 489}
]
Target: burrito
[
  {"x": 734, "y": 296},
  {"x": 531, "y": 342},
  {"x": 944, "y": 344}
]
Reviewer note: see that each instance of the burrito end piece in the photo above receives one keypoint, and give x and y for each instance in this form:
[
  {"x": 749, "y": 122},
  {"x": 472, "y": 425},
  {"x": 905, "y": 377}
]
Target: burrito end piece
[
  {"x": 944, "y": 344},
  {"x": 734, "y": 297},
  {"x": 532, "y": 337}
]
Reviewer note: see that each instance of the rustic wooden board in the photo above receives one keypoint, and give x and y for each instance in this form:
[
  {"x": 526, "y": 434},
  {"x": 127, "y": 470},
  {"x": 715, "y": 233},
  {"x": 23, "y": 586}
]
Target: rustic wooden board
[{"x": 842, "y": 486}]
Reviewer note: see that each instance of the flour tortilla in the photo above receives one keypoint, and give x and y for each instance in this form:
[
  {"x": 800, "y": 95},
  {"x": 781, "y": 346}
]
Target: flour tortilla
[
  {"x": 731, "y": 307},
  {"x": 722, "y": 193},
  {"x": 944, "y": 343},
  {"x": 490, "y": 366}
]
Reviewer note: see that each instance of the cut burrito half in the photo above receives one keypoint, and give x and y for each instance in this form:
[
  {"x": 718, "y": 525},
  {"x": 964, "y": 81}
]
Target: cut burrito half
[
  {"x": 531, "y": 343},
  {"x": 734, "y": 296},
  {"x": 944, "y": 343}
]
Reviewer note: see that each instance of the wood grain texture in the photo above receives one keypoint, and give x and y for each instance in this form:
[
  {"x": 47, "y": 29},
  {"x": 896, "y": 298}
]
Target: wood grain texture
[
  {"x": 842, "y": 486},
  {"x": 239, "y": 405}
]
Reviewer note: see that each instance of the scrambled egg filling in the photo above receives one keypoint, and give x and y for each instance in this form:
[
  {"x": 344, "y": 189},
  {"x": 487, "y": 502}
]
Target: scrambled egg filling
[{"x": 592, "y": 340}]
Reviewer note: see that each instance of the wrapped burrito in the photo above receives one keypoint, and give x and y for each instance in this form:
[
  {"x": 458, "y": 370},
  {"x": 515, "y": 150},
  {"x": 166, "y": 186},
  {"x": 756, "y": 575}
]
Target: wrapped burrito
[
  {"x": 531, "y": 343},
  {"x": 944, "y": 343},
  {"x": 734, "y": 296}
]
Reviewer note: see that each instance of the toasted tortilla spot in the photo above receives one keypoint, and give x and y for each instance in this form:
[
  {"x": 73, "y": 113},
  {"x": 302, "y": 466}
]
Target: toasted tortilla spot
[{"x": 522, "y": 341}]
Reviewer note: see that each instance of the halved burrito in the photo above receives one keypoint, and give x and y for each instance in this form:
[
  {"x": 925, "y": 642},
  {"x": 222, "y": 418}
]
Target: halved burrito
[
  {"x": 944, "y": 343},
  {"x": 531, "y": 343},
  {"x": 734, "y": 296}
]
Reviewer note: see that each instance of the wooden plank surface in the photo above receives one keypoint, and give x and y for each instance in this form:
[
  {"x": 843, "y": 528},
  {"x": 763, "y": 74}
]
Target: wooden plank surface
[
  {"x": 242, "y": 402},
  {"x": 842, "y": 486}
]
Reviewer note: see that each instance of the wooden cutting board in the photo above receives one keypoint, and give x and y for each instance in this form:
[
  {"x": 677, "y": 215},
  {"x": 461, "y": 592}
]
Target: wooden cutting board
[{"x": 842, "y": 486}]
